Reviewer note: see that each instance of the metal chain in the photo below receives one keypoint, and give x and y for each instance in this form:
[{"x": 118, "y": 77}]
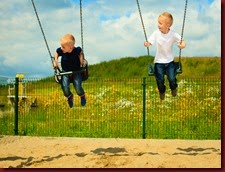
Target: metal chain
[
  {"x": 81, "y": 27},
  {"x": 143, "y": 26},
  {"x": 182, "y": 31},
  {"x": 42, "y": 30}
]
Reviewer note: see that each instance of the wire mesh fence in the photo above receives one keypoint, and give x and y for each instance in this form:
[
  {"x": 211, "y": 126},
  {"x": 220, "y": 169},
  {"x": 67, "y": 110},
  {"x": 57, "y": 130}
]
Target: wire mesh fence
[{"x": 116, "y": 108}]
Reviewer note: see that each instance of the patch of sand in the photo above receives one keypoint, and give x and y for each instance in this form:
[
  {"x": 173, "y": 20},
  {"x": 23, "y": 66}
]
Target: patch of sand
[{"x": 48, "y": 152}]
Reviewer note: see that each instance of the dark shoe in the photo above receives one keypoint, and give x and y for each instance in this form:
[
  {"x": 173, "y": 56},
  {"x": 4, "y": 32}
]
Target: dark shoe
[
  {"x": 174, "y": 92},
  {"x": 70, "y": 100},
  {"x": 162, "y": 96},
  {"x": 83, "y": 100}
]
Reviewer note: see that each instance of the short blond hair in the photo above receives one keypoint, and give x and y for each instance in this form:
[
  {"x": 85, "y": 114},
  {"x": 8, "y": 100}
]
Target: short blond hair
[
  {"x": 68, "y": 39},
  {"x": 168, "y": 16}
]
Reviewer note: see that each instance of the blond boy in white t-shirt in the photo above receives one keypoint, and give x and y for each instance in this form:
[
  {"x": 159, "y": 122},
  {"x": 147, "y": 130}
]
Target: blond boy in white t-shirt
[{"x": 164, "y": 38}]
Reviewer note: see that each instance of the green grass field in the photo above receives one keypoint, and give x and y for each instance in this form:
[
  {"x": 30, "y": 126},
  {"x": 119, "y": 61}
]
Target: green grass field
[{"x": 115, "y": 108}]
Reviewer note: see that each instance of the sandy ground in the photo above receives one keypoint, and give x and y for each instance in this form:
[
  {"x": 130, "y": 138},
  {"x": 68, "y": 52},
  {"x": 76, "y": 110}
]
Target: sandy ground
[{"x": 48, "y": 152}]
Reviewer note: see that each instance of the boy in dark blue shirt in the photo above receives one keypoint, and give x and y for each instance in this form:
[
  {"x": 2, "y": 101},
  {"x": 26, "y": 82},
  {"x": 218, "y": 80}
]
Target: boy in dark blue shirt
[{"x": 72, "y": 60}]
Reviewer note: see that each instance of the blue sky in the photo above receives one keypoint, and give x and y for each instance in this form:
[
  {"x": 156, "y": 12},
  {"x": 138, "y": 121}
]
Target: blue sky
[{"x": 112, "y": 29}]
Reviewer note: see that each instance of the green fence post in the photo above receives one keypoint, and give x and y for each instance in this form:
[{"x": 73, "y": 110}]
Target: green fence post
[
  {"x": 144, "y": 107},
  {"x": 16, "y": 100}
]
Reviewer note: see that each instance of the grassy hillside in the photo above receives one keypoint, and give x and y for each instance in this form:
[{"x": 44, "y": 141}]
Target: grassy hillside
[{"x": 138, "y": 67}]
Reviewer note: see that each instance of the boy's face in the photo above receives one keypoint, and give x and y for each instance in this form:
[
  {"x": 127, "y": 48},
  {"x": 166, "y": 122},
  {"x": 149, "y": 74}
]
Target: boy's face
[
  {"x": 66, "y": 48},
  {"x": 163, "y": 24}
]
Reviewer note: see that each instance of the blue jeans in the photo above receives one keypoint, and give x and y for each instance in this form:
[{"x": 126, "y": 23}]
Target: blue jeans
[
  {"x": 169, "y": 70},
  {"x": 76, "y": 79}
]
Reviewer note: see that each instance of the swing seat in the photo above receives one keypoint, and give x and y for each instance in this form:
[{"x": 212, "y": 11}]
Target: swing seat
[
  {"x": 178, "y": 67},
  {"x": 83, "y": 71},
  {"x": 57, "y": 77},
  {"x": 151, "y": 68}
]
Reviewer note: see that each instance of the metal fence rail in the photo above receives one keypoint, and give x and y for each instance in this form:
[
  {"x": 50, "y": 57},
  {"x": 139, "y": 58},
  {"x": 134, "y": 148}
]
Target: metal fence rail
[{"x": 116, "y": 108}]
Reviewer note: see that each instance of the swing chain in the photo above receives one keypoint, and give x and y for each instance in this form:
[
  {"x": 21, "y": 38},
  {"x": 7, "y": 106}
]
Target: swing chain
[
  {"x": 42, "y": 30},
  {"x": 81, "y": 27},
  {"x": 143, "y": 26},
  {"x": 182, "y": 31}
]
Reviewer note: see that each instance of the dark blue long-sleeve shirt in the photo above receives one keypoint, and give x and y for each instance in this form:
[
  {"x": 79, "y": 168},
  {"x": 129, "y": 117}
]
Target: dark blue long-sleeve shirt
[{"x": 70, "y": 61}]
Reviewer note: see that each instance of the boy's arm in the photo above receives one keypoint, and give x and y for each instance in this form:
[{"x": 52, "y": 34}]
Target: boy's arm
[
  {"x": 55, "y": 63},
  {"x": 182, "y": 44}
]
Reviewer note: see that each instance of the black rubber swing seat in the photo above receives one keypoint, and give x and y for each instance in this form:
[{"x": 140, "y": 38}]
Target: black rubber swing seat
[
  {"x": 83, "y": 71},
  {"x": 151, "y": 68}
]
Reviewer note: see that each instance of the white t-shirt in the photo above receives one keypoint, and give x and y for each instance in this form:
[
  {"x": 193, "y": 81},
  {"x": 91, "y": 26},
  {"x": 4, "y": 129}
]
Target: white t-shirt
[{"x": 164, "y": 44}]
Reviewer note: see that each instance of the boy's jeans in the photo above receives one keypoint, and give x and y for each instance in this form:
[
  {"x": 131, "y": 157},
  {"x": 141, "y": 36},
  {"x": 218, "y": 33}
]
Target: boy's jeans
[
  {"x": 77, "y": 83},
  {"x": 169, "y": 69}
]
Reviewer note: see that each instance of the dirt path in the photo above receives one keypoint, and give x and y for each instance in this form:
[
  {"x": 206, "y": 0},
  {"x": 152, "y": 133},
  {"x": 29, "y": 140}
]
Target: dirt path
[{"x": 46, "y": 152}]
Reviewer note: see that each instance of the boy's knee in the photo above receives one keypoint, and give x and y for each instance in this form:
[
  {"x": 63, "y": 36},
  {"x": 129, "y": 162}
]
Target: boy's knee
[
  {"x": 80, "y": 91},
  {"x": 173, "y": 84},
  {"x": 161, "y": 87},
  {"x": 66, "y": 93}
]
